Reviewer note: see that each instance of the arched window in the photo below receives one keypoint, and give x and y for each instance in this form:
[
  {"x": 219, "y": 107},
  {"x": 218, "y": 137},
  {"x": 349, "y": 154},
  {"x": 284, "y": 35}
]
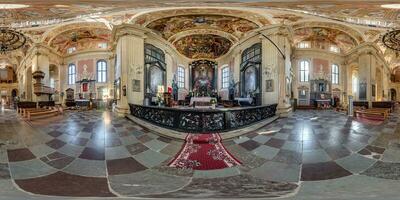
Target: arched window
[
  {"x": 155, "y": 68},
  {"x": 335, "y": 74},
  {"x": 101, "y": 71},
  {"x": 304, "y": 71},
  {"x": 71, "y": 74},
  {"x": 181, "y": 77},
  {"x": 250, "y": 70},
  {"x": 225, "y": 77}
]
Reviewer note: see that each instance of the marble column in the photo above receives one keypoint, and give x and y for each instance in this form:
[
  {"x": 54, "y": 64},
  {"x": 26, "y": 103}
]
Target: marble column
[{"x": 130, "y": 65}]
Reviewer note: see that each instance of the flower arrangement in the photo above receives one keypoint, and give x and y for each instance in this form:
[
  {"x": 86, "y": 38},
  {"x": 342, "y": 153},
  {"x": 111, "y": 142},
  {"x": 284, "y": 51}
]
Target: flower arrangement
[{"x": 213, "y": 101}]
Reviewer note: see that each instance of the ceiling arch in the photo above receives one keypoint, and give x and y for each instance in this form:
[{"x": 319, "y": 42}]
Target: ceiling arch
[
  {"x": 80, "y": 38},
  {"x": 49, "y": 35},
  {"x": 353, "y": 33},
  {"x": 148, "y": 17}
]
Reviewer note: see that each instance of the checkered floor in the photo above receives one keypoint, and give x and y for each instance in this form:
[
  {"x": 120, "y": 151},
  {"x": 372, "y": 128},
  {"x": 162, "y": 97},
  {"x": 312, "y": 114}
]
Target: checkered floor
[{"x": 112, "y": 156}]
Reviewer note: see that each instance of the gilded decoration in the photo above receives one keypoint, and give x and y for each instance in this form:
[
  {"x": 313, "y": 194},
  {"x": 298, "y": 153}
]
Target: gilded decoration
[
  {"x": 203, "y": 46},
  {"x": 170, "y": 26}
]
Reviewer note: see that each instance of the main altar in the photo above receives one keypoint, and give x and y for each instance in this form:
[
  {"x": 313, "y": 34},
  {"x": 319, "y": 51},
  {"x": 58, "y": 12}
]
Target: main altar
[{"x": 204, "y": 76}]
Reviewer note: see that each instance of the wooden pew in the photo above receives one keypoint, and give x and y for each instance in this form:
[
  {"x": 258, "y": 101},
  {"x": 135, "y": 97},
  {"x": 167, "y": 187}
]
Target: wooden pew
[
  {"x": 34, "y": 110},
  {"x": 25, "y": 104},
  {"x": 372, "y": 113},
  {"x": 23, "y": 111},
  {"x": 43, "y": 113}
]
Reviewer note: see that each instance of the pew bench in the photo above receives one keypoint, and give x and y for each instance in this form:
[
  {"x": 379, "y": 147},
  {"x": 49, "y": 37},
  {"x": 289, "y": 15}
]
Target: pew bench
[
  {"x": 26, "y": 111},
  {"x": 43, "y": 113},
  {"x": 372, "y": 113}
]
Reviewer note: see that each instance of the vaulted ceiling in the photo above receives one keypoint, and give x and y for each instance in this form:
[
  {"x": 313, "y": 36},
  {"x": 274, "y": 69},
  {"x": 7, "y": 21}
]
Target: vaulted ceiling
[
  {"x": 356, "y": 11},
  {"x": 182, "y": 21}
]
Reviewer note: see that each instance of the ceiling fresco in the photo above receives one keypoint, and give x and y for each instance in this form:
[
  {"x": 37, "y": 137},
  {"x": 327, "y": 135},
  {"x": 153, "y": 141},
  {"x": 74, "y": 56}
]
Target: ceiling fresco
[
  {"x": 80, "y": 39},
  {"x": 170, "y": 26},
  {"x": 203, "y": 46},
  {"x": 148, "y": 18},
  {"x": 357, "y": 11},
  {"x": 325, "y": 35}
]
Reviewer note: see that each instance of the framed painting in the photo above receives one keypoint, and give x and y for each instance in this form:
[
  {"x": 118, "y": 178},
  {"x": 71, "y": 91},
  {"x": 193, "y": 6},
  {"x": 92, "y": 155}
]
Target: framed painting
[
  {"x": 135, "y": 85},
  {"x": 269, "y": 86}
]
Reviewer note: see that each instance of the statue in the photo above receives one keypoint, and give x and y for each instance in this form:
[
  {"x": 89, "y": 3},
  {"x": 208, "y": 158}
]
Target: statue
[
  {"x": 232, "y": 89},
  {"x": 175, "y": 89}
]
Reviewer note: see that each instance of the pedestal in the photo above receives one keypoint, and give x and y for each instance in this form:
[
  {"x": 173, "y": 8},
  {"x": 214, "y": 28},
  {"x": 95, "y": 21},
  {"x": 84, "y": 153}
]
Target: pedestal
[
  {"x": 283, "y": 110},
  {"x": 121, "y": 110}
]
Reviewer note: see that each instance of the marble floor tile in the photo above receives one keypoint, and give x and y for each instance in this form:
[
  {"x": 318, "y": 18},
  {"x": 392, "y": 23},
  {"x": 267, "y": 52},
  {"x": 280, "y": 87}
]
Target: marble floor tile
[
  {"x": 265, "y": 152},
  {"x": 84, "y": 167},
  {"x": 355, "y": 163},
  {"x": 150, "y": 158},
  {"x": 277, "y": 171}
]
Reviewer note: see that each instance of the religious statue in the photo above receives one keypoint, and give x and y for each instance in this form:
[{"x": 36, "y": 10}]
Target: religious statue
[
  {"x": 175, "y": 89},
  {"x": 232, "y": 89}
]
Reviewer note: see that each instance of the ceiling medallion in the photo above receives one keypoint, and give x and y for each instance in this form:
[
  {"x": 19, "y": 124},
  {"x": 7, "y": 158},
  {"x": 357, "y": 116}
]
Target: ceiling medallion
[
  {"x": 392, "y": 40},
  {"x": 10, "y": 40}
]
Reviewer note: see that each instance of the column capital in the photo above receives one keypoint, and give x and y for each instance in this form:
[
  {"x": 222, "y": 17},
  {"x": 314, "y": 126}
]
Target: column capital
[{"x": 128, "y": 30}]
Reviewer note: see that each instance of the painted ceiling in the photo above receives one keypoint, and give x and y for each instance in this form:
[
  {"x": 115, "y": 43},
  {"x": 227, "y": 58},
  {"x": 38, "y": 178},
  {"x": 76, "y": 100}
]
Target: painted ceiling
[
  {"x": 325, "y": 35},
  {"x": 83, "y": 38},
  {"x": 170, "y": 26},
  {"x": 204, "y": 46},
  {"x": 349, "y": 10}
]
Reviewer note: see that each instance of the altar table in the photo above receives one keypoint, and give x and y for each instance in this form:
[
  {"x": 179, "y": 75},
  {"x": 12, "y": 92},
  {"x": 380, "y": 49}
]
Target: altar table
[{"x": 201, "y": 99}]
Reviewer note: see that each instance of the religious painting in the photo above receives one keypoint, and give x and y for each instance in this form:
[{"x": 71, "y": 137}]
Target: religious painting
[
  {"x": 203, "y": 46},
  {"x": 269, "y": 85},
  {"x": 117, "y": 89},
  {"x": 203, "y": 77},
  {"x": 250, "y": 75},
  {"x": 135, "y": 85},
  {"x": 363, "y": 91},
  {"x": 156, "y": 78},
  {"x": 170, "y": 26},
  {"x": 70, "y": 93}
]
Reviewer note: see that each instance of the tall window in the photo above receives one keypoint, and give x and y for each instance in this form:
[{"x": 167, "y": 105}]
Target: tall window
[
  {"x": 101, "y": 71},
  {"x": 71, "y": 74},
  {"x": 335, "y": 74},
  {"x": 181, "y": 77},
  {"x": 225, "y": 77},
  {"x": 304, "y": 71}
]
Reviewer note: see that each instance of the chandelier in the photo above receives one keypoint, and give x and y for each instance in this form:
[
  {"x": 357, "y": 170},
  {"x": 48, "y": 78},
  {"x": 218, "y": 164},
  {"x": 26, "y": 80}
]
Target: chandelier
[
  {"x": 10, "y": 40},
  {"x": 392, "y": 40}
]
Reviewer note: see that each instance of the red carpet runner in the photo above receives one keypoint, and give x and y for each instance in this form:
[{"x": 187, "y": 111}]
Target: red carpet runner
[{"x": 203, "y": 152}]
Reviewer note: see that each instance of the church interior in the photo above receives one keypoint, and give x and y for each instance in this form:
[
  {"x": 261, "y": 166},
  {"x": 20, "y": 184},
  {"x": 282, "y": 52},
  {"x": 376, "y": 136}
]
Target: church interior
[{"x": 185, "y": 99}]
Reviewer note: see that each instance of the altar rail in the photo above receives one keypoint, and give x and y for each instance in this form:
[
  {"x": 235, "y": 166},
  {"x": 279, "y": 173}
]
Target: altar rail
[{"x": 202, "y": 120}]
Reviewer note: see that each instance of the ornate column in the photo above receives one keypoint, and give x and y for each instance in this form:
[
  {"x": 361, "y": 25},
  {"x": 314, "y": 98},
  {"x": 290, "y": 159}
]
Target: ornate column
[
  {"x": 276, "y": 68},
  {"x": 129, "y": 67}
]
